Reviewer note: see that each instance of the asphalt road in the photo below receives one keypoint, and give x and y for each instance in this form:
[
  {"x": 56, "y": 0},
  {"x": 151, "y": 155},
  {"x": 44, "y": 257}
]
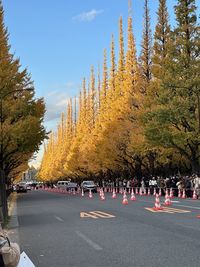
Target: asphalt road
[{"x": 53, "y": 233}]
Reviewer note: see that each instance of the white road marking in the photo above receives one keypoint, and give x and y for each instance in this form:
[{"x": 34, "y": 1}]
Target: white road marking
[
  {"x": 89, "y": 241},
  {"x": 190, "y": 207},
  {"x": 59, "y": 219},
  {"x": 185, "y": 206}
]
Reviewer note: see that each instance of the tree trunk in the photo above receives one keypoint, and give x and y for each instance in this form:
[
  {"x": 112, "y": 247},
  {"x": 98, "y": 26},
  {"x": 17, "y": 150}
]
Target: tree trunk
[{"x": 195, "y": 166}]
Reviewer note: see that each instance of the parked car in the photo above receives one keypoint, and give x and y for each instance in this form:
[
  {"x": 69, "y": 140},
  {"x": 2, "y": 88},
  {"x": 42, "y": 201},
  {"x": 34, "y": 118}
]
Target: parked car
[
  {"x": 28, "y": 186},
  {"x": 89, "y": 185},
  {"x": 67, "y": 185},
  {"x": 21, "y": 187}
]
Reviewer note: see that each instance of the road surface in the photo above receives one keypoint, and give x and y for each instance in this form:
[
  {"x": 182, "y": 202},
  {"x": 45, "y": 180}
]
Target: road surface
[{"x": 59, "y": 230}]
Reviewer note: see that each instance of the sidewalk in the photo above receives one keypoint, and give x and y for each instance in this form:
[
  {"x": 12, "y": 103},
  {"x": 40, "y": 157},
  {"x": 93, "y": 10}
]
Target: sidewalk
[{"x": 13, "y": 224}]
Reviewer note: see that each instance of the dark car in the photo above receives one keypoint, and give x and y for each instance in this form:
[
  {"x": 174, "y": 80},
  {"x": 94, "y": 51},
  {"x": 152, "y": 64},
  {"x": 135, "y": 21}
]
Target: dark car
[
  {"x": 21, "y": 187},
  {"x": 89, "y": 185},
  {"x": 71, "y": 186}
]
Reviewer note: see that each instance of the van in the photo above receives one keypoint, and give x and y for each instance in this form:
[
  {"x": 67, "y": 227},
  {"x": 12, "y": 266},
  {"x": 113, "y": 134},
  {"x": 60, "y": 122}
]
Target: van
[
  {"x": 62, "y": 184},
  {"x": 67, "y": 185}
]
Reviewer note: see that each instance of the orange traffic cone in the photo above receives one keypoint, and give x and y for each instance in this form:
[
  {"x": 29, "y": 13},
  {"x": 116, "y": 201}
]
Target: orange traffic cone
[
  {"x": 102, "y": 196},
  {"x": 183, "y": 195},
  {"x": 125, "y": 200},
  {"x": 171, "y": 193},
  {"x": 114, "y": 194},
  {"x": 160, "y": 192},
  {"x": 194, "y": 195},
  {"x": 90, "y": 194},
  {"x": 157, "y": 203},
  {"x": 136, "y": 191},
  {"x": 82, "y": 193},
  {"x": 132, "y": 195},
  {"x": 167, "y": 199},
  {"x": 148, "y": 194},
  {"x": 154, "y": 191}
]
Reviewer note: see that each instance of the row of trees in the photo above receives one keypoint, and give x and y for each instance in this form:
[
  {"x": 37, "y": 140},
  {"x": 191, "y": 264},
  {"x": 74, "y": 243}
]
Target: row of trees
[
  {"x": 142, "y": 116},
  {"x": 21, "y": 131}
]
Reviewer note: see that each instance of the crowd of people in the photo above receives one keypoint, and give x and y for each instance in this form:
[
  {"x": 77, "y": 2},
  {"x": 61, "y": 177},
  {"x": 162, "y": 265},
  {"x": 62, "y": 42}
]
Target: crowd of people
[{"x": 188, "y": 183}]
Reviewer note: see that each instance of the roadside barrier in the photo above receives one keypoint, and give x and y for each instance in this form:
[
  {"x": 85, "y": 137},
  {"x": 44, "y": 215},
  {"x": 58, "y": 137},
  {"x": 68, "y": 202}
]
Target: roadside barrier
[{"x": 148, "y": 191}]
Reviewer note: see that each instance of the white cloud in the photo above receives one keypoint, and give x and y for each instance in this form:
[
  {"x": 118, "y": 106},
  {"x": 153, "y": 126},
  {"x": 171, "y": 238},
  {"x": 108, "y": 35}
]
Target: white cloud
[{"x": 88, "y": 16}]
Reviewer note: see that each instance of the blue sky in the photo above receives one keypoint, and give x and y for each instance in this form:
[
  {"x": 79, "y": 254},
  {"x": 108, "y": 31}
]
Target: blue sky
[{"x": 58, "y": 41}]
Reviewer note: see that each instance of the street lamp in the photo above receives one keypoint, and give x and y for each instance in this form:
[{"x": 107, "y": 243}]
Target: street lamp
[{"x": 3, "y": 197}]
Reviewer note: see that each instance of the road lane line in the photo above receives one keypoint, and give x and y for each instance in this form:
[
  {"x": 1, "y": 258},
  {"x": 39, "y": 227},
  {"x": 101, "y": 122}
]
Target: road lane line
[
  {"x": 89, "y": 241},
  {"x": 59, "y": 219}
]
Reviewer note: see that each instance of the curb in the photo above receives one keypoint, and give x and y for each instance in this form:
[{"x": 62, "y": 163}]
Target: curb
[{"x": 13, "y": 225}]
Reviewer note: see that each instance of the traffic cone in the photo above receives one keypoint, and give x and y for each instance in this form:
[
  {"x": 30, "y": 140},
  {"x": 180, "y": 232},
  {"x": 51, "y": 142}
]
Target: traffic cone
[
  {"x": 171, "y": 193},
  {"x": 154, "y": 191},
  {"x": 160, "y": 192},
  {"x": 148, "y": 194},
  {"x": 105, "y": 190},
  {"x": 114, "y": 194},
  {"x": 132, "y": 195},
  {"x": 179, "y": 193},
  {"x": 125, "y": 200},
  {"x": 82, "y": 193},
  {"x": 74, "y": 192},
  {"x": 167, "y": 199},
  {"x": 102, "y": 196},
  {"x": 129, "y": 191},
  {"x": 194, "y": 195},
  {"x": 157, "y": 203},
  {"x": 100, "y": 192},
  {"x": 183, "y": 195},
  {"x": 136, "y": 191},
  {"x": 90, "y": 194}
]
